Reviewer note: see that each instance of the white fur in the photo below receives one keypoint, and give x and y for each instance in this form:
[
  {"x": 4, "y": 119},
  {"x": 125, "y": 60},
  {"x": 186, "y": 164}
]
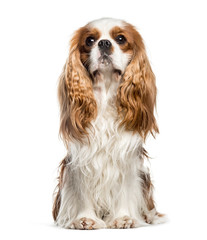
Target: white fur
[{"x": 101, "y": 181}]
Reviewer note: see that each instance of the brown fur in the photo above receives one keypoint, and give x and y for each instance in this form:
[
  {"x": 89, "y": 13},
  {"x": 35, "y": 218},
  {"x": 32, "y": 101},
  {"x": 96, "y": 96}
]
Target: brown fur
[
  {"x": 127, "y": 47},
  {"x": 77, "y": 103},
  {"x": 136, "y": 96},
  {"x": 57, "y": 193},
  {"x": 83, "y": 48},
  {"x": 147, "y": 187}
]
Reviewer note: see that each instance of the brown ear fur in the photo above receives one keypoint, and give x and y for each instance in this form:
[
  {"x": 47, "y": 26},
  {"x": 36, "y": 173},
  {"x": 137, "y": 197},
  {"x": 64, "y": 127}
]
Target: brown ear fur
[
  {"x": 77, "y": 102},
  {"x": 137, "y": 93}
]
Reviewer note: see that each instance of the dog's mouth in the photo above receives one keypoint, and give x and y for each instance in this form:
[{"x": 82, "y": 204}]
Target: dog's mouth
[
  {"x": 105, "y": 60},
  {"x": 105, "y": 64},
  {"x": 116, "y": 71}
]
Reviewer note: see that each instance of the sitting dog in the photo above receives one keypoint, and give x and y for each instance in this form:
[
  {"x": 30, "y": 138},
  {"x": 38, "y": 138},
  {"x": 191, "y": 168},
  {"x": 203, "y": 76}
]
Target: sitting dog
[{"x": 107, "y": 96}]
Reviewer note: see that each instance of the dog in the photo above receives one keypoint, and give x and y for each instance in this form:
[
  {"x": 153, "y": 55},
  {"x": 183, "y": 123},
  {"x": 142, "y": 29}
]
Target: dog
[{"x": 107, "y": 95}]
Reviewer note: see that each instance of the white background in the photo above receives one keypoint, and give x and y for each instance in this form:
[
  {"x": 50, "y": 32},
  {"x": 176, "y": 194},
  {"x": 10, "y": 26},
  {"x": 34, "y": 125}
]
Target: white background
[{"x": 34, "y": 45}]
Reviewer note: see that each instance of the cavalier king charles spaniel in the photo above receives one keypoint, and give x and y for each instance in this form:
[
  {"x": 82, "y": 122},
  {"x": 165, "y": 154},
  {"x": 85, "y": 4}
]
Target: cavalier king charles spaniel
[{"x": 107, "y": 96}]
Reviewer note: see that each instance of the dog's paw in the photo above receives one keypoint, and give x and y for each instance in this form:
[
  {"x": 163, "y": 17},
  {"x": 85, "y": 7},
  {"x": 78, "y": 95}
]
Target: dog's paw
[
  {"x": 124, "y": 222},
  {"x": 159, "y": 218},
  {"x": 153, "y": 217},
  {"x": 87, "y": 224}
]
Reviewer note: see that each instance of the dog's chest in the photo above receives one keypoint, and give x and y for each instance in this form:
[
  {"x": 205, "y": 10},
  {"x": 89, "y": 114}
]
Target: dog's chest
[
  {"x": 111, "y": 140},
  {"x": 110, "y": 145},
  {"x": 111, "y": 158}
]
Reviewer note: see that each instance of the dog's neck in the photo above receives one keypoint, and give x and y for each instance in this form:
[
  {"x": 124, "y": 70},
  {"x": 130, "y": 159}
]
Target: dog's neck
[{"x": 105, "y": 84}]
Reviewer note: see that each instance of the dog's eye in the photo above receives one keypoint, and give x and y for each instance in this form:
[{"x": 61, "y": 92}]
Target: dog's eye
[
  {"x": 90, "y": 41},
  {"x": 120, "y": 39}
]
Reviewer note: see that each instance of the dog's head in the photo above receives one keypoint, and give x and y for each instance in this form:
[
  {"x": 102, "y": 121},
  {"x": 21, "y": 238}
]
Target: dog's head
[
  {"x": 106, "y": 44},
  {"x": 100, "y": 46}
]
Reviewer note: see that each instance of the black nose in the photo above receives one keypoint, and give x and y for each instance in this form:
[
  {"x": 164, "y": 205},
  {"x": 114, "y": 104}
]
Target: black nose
[{"x": 104, "y": 45}]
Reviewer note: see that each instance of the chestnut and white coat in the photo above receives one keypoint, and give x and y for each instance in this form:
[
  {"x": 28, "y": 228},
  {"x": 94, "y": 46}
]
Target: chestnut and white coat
[{"x": 107, "y": 96}]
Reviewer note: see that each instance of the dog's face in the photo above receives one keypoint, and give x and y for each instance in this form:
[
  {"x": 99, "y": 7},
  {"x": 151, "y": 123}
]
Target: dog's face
[
  {"x": 106, "y": 45},
  {"x": 111, "y": 49}
]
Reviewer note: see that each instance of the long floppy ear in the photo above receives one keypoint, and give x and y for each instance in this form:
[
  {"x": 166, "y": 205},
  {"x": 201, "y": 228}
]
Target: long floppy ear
[
  {"x": 77, "y": 103},
  {"x": 136, "y": 96}
]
